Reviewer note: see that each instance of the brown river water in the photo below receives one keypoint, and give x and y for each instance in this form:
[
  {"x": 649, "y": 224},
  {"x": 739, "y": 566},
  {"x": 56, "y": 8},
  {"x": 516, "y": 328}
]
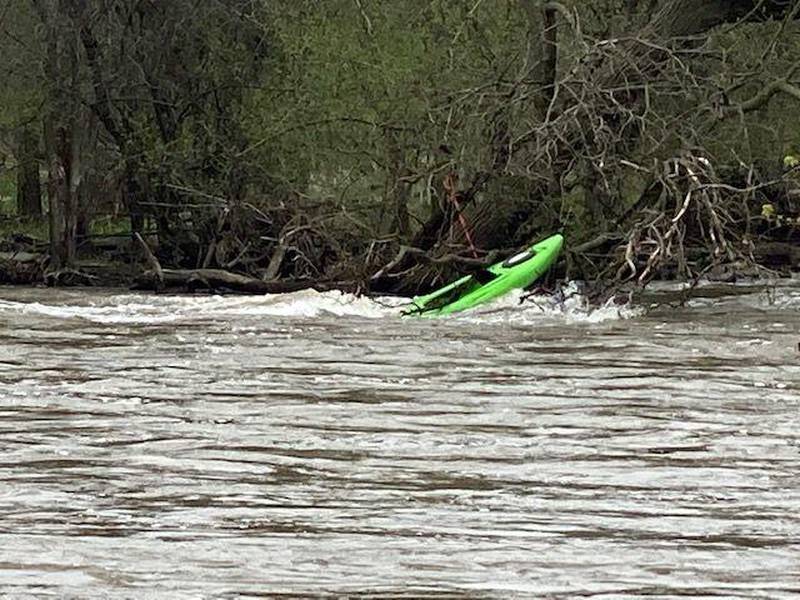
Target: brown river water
[{"x": 316, "y": 445}]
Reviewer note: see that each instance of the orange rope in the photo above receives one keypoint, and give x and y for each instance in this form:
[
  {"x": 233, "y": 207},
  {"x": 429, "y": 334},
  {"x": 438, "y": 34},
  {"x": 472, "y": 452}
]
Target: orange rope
[{"x": 450, "y": 185}]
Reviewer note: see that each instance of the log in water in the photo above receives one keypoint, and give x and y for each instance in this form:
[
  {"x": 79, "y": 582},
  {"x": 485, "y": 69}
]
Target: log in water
[{"x": 199, "y": 447}]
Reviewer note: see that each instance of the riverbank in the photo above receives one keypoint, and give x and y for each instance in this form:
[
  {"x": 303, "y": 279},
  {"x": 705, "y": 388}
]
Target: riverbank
[{"x": 120, "y": 262}]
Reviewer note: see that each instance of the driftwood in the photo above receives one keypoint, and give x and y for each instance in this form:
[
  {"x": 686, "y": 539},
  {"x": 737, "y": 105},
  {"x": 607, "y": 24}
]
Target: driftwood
[
  {"x": 211, "y": 279},
  {"x": 22, "y": 257},
  {"x": 155, "y": 266},
  {"x": 424, "y": 256},
  {"x": 68, "y": 277},
  {"x": 778, "y": 254},
  {"x": 191, "y": 280},
  {"x": 21, "y": 268},
  {"x": 595, "y": 243}
]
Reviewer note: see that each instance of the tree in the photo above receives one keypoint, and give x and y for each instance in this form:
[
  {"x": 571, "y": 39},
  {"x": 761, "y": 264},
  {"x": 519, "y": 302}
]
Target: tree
[
  {"x": 628, "y": 91},
  {"x": 292, "y": 138},
  {"x": 20, "y": 101},
  {"x": 29, "y": 187}
]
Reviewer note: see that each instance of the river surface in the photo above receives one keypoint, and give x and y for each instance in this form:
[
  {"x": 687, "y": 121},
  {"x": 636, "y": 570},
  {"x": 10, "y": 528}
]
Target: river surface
[{"x": 318, "y": 445}]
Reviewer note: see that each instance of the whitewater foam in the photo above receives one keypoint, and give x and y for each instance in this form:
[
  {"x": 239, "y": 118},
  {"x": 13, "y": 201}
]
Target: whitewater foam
[
  {"x": 568, "y": 304},
  {"x": 131, "y": 309},
  {"x": 153, "y": 309}
]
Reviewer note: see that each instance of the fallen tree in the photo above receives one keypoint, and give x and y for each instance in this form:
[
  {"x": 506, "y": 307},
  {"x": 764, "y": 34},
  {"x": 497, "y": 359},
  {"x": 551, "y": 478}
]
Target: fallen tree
[
  {"x": 218, "y": 280},
  {"x": 22, "y": 268},
  {"x": 192, "y": 280},
  {"x": 641, "y": 106}
]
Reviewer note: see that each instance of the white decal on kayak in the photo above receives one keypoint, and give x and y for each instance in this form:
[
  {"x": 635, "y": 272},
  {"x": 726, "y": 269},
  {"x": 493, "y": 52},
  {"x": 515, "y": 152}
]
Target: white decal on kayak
[{"x": 522, "y": 256}]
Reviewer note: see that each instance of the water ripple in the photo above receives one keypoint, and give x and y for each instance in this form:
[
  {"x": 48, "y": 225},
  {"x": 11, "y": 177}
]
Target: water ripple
[{"x": 317, "y": 445}]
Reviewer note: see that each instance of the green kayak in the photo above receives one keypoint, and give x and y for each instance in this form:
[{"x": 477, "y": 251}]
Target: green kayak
[{"x": 517, "y": 272}]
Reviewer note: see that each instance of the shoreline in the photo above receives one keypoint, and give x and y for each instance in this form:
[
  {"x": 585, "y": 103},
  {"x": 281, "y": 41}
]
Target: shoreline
[
  {"x": 130, "y": 264},
  {"x": 27, "y": 270}
]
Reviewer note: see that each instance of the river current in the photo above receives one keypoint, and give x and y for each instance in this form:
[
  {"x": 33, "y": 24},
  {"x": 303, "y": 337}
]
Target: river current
[{"x": 318, "y": 445}]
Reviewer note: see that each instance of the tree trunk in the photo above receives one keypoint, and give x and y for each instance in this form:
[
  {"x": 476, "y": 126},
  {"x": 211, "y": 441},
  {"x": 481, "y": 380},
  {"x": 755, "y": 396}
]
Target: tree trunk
[
  {"x": 683, "y": 18},
  {"x": 399, "y": 190},
  {"x": 133, "y": 195},
  {"x": 61, "y": 122},
  {"x": 542, "y": 60},
  {"x": 62, "y": 195},
  {"x": 29, "y": 187}
]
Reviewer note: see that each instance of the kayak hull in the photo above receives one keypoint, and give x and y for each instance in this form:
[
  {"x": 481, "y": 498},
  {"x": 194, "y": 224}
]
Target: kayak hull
[{"x": 518, "y": 272}]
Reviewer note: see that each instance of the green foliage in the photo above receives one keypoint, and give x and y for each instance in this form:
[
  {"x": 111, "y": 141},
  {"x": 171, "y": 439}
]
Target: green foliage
[
  {"x": 8, "y": 193},
  {"x": 109, "y": 225},
  {"x": 399, "y": 76},
  {"x": 21, "y": 94},
  {"x": 36, "y": 229},
  {"x": 353, "y": 111}
]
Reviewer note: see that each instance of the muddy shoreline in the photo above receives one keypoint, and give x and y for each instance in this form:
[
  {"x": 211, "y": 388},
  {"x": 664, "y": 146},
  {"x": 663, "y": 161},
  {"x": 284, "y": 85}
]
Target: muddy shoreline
[{"x": 120, "y": 263}]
